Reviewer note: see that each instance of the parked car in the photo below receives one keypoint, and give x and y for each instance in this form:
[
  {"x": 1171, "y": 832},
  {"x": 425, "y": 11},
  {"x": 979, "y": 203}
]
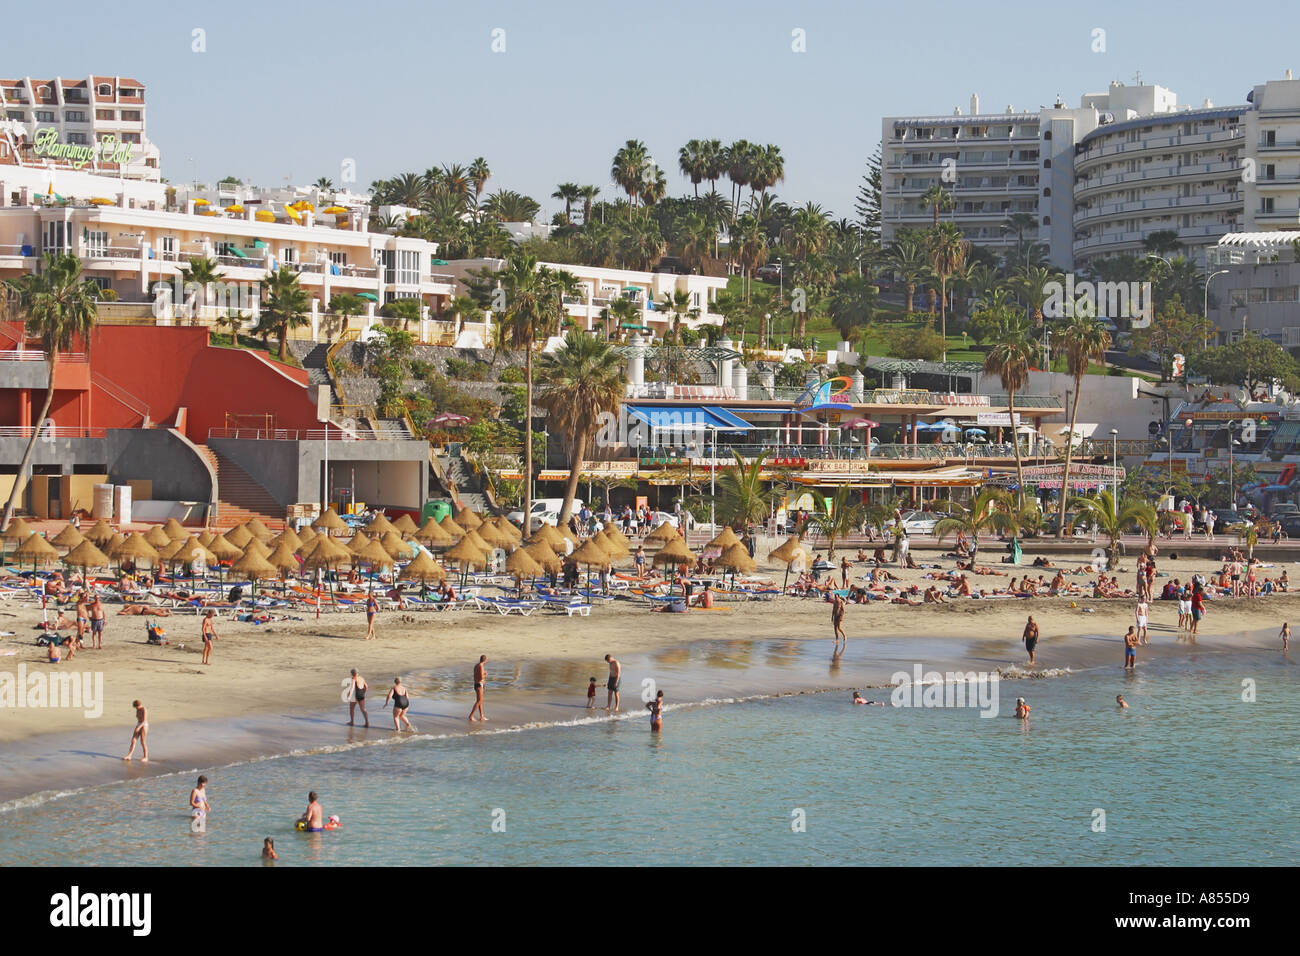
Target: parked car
[
  {"x": 545, "y": 511},
  {"x": 1230, "y": 520},
  {"x": 1291, "y": 525},
  {"x": 918, "y": 522},
  {"x": 1284, "y": 509},
  {"x": 768, "y": 273}
]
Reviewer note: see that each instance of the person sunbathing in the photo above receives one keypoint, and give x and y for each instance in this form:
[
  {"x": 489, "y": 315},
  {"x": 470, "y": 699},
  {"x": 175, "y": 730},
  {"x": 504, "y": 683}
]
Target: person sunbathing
[
  {"x": 963, "y": 587},
  {"x": 932, "y": 596},
  {"x": 1058, "y": 582},
  {"x": 144, "y": 610}
]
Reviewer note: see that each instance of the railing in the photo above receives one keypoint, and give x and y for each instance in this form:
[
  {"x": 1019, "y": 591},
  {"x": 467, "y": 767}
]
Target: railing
[
  {"x": 886, "y": 452},
  {"x": 36, "y": 355},
  {"x": 1101, "y": 448},
  {"x": 111, "y": 252},
  {"x": 296, "y": 434},
  {"x": 51, "y": 431},
  {"x": 115, "y": 391}
]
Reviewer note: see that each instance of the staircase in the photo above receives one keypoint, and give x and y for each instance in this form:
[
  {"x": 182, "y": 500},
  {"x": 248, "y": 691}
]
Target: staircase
[
  {"x": 239, "y": 496},
  {"x": 468, "y": 486}
]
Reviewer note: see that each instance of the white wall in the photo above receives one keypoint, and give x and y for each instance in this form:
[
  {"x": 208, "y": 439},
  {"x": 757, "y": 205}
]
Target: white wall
[{"x": 1108, "y": 402}]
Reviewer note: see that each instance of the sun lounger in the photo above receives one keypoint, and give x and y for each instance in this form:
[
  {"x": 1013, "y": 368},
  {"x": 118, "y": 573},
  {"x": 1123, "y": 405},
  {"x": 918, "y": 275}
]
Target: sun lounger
[{"x": 506, "y": 606}]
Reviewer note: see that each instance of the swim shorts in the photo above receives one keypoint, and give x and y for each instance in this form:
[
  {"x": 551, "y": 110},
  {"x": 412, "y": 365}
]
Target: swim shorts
[
  {"x": 614, "y": 683},
  {"x": 97, "y": 625}
]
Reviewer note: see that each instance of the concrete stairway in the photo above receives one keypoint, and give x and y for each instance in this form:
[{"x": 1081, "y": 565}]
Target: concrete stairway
[
  {"x": 240, "y": 497},
  {"x": 469, "y": 487}
]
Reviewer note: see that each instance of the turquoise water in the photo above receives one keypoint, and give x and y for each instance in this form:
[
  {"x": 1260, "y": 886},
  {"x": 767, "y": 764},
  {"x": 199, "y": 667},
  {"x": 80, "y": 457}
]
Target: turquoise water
[{"x": 1189, "y": 775}]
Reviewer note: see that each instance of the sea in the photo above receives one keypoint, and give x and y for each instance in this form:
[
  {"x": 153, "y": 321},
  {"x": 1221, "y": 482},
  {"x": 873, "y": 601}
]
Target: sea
[{"x": 1202, "y": 769}]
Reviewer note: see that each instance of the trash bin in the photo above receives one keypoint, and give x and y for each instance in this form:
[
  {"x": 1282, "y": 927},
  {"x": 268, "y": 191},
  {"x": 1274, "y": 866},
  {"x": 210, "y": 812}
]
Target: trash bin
[{"x": 437, "y": 510}]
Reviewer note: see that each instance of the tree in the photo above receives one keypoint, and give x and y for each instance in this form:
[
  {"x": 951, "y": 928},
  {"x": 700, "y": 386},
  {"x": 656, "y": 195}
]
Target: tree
[
  {"x": 947, "y": 248},
  {"x": 1173, "y": 331},
  {"x": 990, "y": 511},
  {"x": 867, "y": 203},
  {"x": 1010, "y": 359},
  {"x": 203, "y": 271},
  {"x": 61, "y": 309},
  {"x": 1031, "y": 284},
  {"x": 534, "y": 306},
  {"x": 908, "y": 260},
  {"x": 582, "y": 380},
  {"x": 1162, "y": 241},
  {"x": 938, "y": 199},
  {"x": 479, "y": 174},
  {"x": 692, "y": 160},
  {"x": 629, "y": 168},
  {"x": 346, "y": 304},
  {"x": 1252, "y": 362},
  {"x": 677, "y": 304},
  {"x": 749, "y": 243},
  {"x": 407, "y": 310},
  {"x": 850, "y": 307},
  {"x": 506, "y": 205},
  {"x": 1112, "y": 522},
  {"x": 569, "y": 193},
  {"x": 911, "y": 343},
  {"x": 1018, "y": 222},
  {"x": 836, "y": 517},
  {"x": 1082, "y": 341},
  {"x": 283, "y": 303},
  {"x": 742, "y": 497},
  {"x": 588, "y": 195}
]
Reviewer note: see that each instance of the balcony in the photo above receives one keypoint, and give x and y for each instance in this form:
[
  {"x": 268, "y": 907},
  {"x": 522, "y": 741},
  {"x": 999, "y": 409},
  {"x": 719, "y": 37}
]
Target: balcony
[
  {"x": 1153, "y": 173},
  {"x": 1172, "y": 205},
  {"x": 1179, "y": 141}
]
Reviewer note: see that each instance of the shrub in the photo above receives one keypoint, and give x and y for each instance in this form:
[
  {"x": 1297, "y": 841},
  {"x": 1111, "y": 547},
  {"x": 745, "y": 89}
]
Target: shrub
[{"x": 511, "y": 375}]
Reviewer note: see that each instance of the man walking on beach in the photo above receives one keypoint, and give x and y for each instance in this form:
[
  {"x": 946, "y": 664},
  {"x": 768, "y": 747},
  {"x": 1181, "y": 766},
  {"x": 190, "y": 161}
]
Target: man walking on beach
[
  {"x": 837, "y": 618},
  {"x": 615, "y": 681},
  {"x": 1030, "y": 637},
  {"x": 480, "y": 678},
  {"x": 209, "y": 633},
  {"x": 97, "y": 623},
  {"x": 140, "y": 733},
  {"x": 1130, "y": 648}
]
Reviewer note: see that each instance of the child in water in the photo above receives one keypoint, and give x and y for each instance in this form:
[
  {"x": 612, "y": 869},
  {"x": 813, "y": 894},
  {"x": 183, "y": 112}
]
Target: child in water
[
  {"x": 268, "y": 850},
  {"x": 1022, "y": 709},
  {"x": 591, "y": 695}
]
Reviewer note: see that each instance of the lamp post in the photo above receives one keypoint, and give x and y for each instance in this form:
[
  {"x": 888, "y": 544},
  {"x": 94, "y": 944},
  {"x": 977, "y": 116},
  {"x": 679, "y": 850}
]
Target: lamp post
[
  {"x": 1232, "y": 494},
  {"x": 1205, "y": 309},
  {"x": 1114, "y": 472}
]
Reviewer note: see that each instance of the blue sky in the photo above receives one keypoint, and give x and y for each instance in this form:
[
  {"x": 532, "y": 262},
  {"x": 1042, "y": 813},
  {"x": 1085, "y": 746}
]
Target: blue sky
[{"x": 288, "y": 89}]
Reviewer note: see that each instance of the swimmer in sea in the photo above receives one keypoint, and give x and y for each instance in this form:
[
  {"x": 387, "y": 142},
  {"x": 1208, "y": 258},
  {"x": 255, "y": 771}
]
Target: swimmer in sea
[
  {"x": 1022, "y": 709},
  {"x": 1123, "y": 704},
  {"x": 401, "y": 699},
  {"x": 199, "y": 806},
  {"x": 313, "y": 818},
  {"x": 859, "y": 699},
  {"x": 656, "y": 708},
  {"x": 268, "y": 850},
  {"x": 141, "y": 732}
]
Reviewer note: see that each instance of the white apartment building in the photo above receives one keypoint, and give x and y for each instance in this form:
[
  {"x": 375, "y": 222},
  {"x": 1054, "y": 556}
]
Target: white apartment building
[{"x": 1272, "y": 134}]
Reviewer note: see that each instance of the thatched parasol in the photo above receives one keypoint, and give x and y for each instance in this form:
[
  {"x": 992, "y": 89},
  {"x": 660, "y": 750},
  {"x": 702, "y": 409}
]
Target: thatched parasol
[
  {"x": 468, "y": 518},
  {"x": 611, "y": 531},
  {"x": 374, "y": 555},
  {"x": 175, "y": 530},
  {"x": 393, "y": 544},
  {"x": 523, "y": 565},
  {"x": 422, "y": 568},
  {"x": 157, "y": 537},
  {"x": 467, "y": 555},
  {"x": 239, "y": 536},
  {"x": 223, "y": 549},
  {"x": 326, "y": 553},
  {"x": 86, "y": 555},
  {"x": 69, "y": 537},
  {"x": 256, "y": 547},
  {"x": 305, "y": 533},
  {"x": 258, "y": 530},
  {"x": 665, "y": 532},
  {"x": 287, "y": 536},
  {"x": 330, "y": 522},
  {"x": 113, "y": 543},
  {"x": 37, "y": 550},
  {"x": 169, "y": 550},
  {"x": 493, "y": 536},
  {"x": 474, "y": 538},
  {"x": 432, "y": 533},
  {"x": 379, "y": 526},
  {"x": 616, "y": 548},
  {"x": 674, "y": 552},
  {"x": 723, "y": 540},
  {"x": 18, "y": 530},
  {"x": 551, "y": 538},
  {"x": 192, "y": 551},
  {"x": 206, "y": 538},
  {"x": 100, "y": 532},
  {"x": 254, "y": 567},
  {"x": 787, "y": 553},
  {"x": 737, "y": 559},
  {"x": 137, "y": 548},
  {"x": 591, "y": 553},
  {"x": 357, "y": 542},
  {"x": 405, "y": 524},
  {"x": 504, "y": 524},
  {"x": 283, "y": 559},
  {"x": 541, "y": 552}
]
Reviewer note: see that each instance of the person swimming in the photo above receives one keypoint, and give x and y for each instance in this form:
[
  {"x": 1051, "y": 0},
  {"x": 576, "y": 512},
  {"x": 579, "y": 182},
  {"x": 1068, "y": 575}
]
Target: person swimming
[
  {"x": 199, "y": 806},
  {"x": 1022, "y": 709},
  {"x": 859, "y": 699},
  {"x": 1123, "y": 704}
]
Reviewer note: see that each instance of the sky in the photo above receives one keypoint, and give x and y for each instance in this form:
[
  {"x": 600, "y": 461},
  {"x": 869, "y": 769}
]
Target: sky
[{"x": 548, "y": 91}]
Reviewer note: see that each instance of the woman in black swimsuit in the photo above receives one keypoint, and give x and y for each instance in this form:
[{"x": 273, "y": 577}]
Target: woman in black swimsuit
[
  {"x": 401, "y": 700},
  {"x": 358, "y": 698}
]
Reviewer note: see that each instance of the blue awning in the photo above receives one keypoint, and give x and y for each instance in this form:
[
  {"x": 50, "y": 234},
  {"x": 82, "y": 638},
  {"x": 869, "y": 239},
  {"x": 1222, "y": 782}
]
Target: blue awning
[{"x": 688, "y": 418}]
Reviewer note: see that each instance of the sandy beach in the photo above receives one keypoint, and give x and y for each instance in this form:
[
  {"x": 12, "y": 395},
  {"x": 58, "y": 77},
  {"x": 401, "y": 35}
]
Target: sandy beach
[{"x": 276, "y": 687}]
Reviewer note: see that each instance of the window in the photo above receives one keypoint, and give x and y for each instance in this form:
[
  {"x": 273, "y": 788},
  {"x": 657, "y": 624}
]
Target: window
[
  {"x": 105, "y": 114},
  {"x": 18, "y": 115},
  {"x": 78, "y": 138},
  {"x": 339, "y": 258},
  {"x": 1284, "y": 293},
  {"x": 1047, "y": 135},
  {"x": 102, "y": 282},
  {"x": 45, "y": 93},
  {"x": 1237, "y": 297},
  {"x": 105, "y": 89},
  {"x": 288, "y": 254},
  {"x": 74, "y": 116},
  {"x": 1047, "y": 164},
  {"x": 97, "y": 242},
  {"x": 54, "y": 237},
  {"x": 1270, "y": 138},
  {"x": 168, "y": 246},
  {"x": 44, "y": 116},
  {"x": 1256, "y": 296},
  {"x": 130, "y": 137},
  {"x": 130, "y": 116},
  {"x": 127, "y": 91},
  {"x": 1047, "y": 191},
  {"x": 1266, "y": 205}
]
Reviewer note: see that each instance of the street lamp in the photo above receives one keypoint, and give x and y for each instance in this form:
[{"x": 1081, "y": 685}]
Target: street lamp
[
  {"x": 1114, "y": 472},
  {"x": 1232, "y": 442},
  {"x": 1205, "y": 310}
]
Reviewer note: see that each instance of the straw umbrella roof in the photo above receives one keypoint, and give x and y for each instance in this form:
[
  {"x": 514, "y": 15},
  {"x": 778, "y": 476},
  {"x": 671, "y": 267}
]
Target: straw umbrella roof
[
  {"x": 239, "y": 536},
  {"x": 433, "y": 533},
  {"x": 523, "y": 564},
  {"x": 222, "y": 548},
  {"x": 674, "y": 552},
  {"x": 327, "y": 553},
  {"x": 113, "y": 543},
  {"x": 187, "y": 549},
  {"x": 18, "y": 530},
  {"x": 465, "y": 552},
  {"x": 282, "y": 558},
  {"x": 611, "y": 544},
  {"x": 550, "y": 537},
  {"x": 99, "y": 532},
  {"x": 305, "y": 533},
  {"x": 474, "y": 538},
  {"x": 468, "y": 518},
  {"x": 591, "y": 552},
  {"x": 175, "y": 530},
  {"x": 169, "y": 550},
  {"x": 329, "y": 521},
  {"x": 394, "y": 545},
  {"x": 787, "y": 552},
  {"x": 541, "y": 552},
  {"x": 723, "y": 540},
  {"x": 374, "y": 554},
  {"x": 380, "y": 525},
  {"x": 137, "y": 548},
  {"x": 37, "y": 550},
  {"x": 258, "y": 530},
  {"x": 422, "y": 568},
  {"x": 255, "y": 566},
  {"x": 357, "y": 542},
  {"x": 86, "y": 555},
  {"x": 493, "y": 536},
  {"x": 504, "y": 523},
  {"x": 157, "y": 537},
  {"x": 665, "y": 532},
  {"x": 309, "y": 546},
  {"x": 450, "y": 526},
  {"x": 611, "y": 531},
  {"x": 206, "y": 538},
  {"x": 256, "y": 547},
  {"x": 287, "y": 536},
  {"x": 69, "y": 537},
  {"x": 737, "y": 558},
  {"x": 405, "y": 524}
]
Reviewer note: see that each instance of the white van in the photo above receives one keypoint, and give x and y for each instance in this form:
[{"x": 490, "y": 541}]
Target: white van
[{"x": 545, "y": 510}]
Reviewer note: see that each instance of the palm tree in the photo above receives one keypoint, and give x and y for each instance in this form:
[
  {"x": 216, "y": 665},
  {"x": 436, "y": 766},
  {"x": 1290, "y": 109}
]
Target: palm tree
[
  {"x": 456, "y": 181},
  {"x": 629, "y": 168},
  {"x": 742, "y": 496},
  {"x": 346, "y": 304},
  {"x": 534, "y": 306},
  {"x": 409, "y": 189},
  {"x": 284, "y": 301},
  {"x": 693, "y": 162},
  {"x": 948, "y": 251},
  {"x": 749, "y": 243},
  {"x": 622, "y": 311},
  {"x": 717, "y": 212},
  {"x": 588, "y": 195},
  {"x": 61, "y": 308},
  {"x": 990, "y": 511},
  {"x": 838, "y": 517},
  {"x": 641, "y": 245},
  {"x": 479, "y": 174},
  {"x": 654, "y": 185},
  {"x": 738, "y": 163},
  {"x": 1018, "y": 222},
  {"x": 1009, "y": 359},
  {"x": 406, "y": 309},
  {"x": 850, "y": 306},
  {"x": 1111, "y": 521},
  {"x": 324, "y": 184},
  {"x": 1031, "y": 283},
  {"x": 569, "y": 193},
  {"x": 937, "y": 198},
  {"x": 678, "y": 304},
  {"x": 204, "y": 272},
  {"x": 715, "y": 161},
  {"x": 907, "y": 258},
  {"x": 1082, "y": 341},
  {"x": 582, "y": 379},
  {"x": 506, "y": 205},
  {"x": 768, "y": 169}
]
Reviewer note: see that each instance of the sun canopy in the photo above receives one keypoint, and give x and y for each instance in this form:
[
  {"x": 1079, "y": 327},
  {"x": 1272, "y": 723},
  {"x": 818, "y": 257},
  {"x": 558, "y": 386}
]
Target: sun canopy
[{"x": 688, "y": 417}]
